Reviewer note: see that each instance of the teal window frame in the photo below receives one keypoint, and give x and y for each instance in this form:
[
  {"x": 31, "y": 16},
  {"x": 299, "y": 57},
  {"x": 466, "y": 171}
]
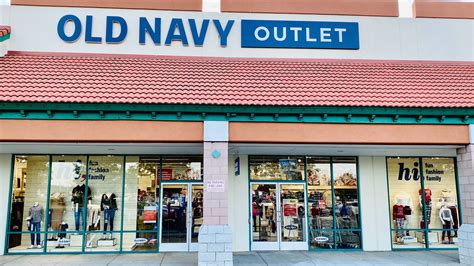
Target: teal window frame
[
  {"x": 422, "y": 187},
  {"x": 334, "y": 230},
  {"x": 84, "y": 232}
]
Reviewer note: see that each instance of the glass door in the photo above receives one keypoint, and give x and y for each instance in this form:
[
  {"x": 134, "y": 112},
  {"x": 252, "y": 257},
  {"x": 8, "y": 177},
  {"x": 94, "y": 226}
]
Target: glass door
[
  {"x": 196, "y": 215},
  {"x": 182, "y": 216},
  {"x": 278, "y": 216},
  {"x": 293, "y": 217}
]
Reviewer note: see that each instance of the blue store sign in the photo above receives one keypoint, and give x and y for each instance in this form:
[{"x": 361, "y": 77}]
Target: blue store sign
[
  {"x": 254, "y": 33},
  {"x": 300, "y": 34}
]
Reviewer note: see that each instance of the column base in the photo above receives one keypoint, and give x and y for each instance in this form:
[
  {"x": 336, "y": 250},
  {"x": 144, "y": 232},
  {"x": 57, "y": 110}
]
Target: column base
[
  {"x": 466, "y": 244},
  {"x": 215, "y": 245}
]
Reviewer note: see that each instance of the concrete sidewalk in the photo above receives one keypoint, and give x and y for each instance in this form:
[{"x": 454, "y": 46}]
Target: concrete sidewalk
[{"x": 247, "y": 258}]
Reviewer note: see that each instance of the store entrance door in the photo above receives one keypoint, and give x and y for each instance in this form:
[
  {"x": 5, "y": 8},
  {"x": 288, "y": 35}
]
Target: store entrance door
[
  {"x": 181, "y": 216},
  {"x": 278, "y": 212}
]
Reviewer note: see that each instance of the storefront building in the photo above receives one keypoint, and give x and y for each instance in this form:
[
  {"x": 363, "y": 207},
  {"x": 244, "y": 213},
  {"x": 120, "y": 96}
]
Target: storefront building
[{"x": 222, "y": 126}]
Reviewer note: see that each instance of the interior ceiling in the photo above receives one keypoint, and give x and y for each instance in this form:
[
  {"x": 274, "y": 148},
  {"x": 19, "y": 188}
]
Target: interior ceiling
[{"x": 245, "y": 148}]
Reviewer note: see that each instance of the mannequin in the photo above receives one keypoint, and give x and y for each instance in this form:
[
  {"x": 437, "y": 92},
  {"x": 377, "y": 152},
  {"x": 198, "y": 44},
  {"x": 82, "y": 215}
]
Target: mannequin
[
  {"x": 35, "y": 218},
  {"x": 77, "y": 199},
  {"x": 56, "y": 210},
  {"x": 63, "y": 227},
  {"x": 399, "y": 219},
  {"x": 108, "y": 204},
  {"x": 404, "y": 199},
  {"x": 428, "y": 206},
  {"x": 448, "y": 201},
  {"x": 447, "y": 220}
]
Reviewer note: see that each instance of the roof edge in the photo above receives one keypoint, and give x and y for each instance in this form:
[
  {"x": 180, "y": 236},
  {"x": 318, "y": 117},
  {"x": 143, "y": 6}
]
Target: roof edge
[{"x": 170, "y": 57}]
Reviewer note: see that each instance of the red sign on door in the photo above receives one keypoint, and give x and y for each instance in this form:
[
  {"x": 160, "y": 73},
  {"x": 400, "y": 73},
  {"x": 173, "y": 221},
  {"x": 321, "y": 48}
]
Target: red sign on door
[{"x": 289, "y": 210}]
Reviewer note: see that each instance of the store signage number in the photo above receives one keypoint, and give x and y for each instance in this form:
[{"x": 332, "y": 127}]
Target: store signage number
[{"x": 254, "y": 33}]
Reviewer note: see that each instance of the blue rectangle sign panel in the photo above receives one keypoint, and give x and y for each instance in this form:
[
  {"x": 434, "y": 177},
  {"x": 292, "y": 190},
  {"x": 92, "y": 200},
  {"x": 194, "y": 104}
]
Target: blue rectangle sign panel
[{"x": 299, "y": 34}]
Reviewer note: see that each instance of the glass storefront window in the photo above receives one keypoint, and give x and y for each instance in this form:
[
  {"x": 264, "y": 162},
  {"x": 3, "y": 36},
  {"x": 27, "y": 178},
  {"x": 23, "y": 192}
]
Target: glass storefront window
[
  {"x": 92, "y": 203},
  {"x": 104, "y": 202},
  {"x": 333, "y": 202},
  {"x": 440, "y": 184},
  {"x": 345, "y": 191},
  {"x": 423, "y": 202},
  {"x": 28, "y": 204},
  {"x": 321, "y": 221},
  {"x": 182, "y": 168},
  {"x": 141, "y": 203},
  {"x": 67, "y": 203},
  {"x": 406, "y": 209},
  {"x": 276, "y": 168}
]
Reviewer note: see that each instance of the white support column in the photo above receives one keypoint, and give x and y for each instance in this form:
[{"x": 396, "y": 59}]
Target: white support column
[
  {"x": 465, "y": 164},
  {"x": 239, "y": 203},
  {"x": 406, "y": 8},
  {"x": 373, "y": 204},
  {"x": 211, "y": 6},
  {"x": 5, "y": 172},
  {"x": 215, "y": 235}
]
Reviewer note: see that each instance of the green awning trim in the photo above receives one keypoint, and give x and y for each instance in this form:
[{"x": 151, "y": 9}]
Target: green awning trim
[{"x": 176, "y": 112}]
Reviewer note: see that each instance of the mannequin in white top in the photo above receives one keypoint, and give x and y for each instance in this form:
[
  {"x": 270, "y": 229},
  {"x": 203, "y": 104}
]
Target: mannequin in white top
[{"x": 447, "y": 220}]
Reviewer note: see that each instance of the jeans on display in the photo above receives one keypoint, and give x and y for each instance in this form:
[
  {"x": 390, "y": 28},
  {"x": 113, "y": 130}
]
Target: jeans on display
[
  {"x": 428, "y": 213},
  {"x": 109, "y": 216},
  {"x": 447, "y": 229},
  {"x": 77, "y": 218},
  {"x": 399, "y": 226},
  {"x": 35, "y": 230},
  {"x": 314, "y": 224},
  {"x": 428, "y": 207}
]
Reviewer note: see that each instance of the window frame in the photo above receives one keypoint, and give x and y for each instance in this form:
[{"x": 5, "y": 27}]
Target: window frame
[
  {"x": 334, "y": 230},
  {"x": 422, "y": 187},
  {"x": 85, "y": 232}
]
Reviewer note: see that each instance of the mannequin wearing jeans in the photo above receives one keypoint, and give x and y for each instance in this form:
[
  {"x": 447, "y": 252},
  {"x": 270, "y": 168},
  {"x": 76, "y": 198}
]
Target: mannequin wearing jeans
[
  {"x": 428, "y": 207},
  {"x": 108, "y": 204},
  {"x": 78, "y": 194},
  {"x": 399, "y": 220},
  {"x": 446, "y": 219},
  {"x": 36, "y": 214}
]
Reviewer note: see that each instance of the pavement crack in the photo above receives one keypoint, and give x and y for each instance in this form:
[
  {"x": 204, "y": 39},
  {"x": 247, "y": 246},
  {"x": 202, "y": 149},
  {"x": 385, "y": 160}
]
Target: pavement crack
[
  {"x": 162, "y": 258},
  {"x": 266, "y": 263}
]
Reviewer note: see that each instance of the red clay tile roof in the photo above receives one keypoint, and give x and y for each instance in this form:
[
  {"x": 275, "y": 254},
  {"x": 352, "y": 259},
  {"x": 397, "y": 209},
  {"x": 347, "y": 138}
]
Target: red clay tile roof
[
  {"x": 184, "y": 80},
  {"x": 4, "y": 30}
]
